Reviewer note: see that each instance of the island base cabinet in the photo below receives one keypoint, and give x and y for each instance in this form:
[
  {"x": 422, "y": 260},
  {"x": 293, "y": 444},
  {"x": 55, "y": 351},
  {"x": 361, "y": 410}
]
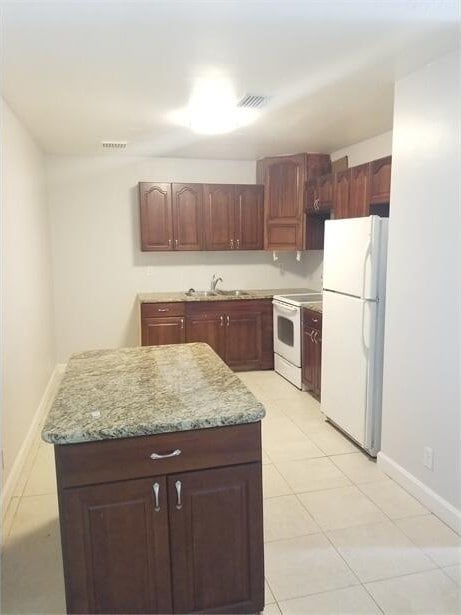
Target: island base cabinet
[
  {"x": 115, "y": 548},
  {"x": 217, "y": 540},
  {"x": 182, "y": 542}
]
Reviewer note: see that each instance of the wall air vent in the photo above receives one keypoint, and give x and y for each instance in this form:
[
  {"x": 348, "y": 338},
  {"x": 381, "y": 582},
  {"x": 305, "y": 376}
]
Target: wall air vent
[
  {"x": 114, "y": 144},
  {"x": 253, "y": 101}
]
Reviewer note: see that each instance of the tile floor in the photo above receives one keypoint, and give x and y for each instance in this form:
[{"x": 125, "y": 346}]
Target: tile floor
[{"x": 341, "y": 537}]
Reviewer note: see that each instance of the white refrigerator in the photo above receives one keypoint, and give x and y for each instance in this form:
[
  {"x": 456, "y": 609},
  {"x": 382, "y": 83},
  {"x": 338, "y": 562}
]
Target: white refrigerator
[{"x": 354, "y": 284}]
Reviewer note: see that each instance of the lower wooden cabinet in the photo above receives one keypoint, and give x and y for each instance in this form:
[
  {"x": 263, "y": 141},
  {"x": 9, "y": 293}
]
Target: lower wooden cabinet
[
  {"x": 178, "y": 542},
  {"x": 312, "y": 351},
  {"x": 240, "y": 332}
]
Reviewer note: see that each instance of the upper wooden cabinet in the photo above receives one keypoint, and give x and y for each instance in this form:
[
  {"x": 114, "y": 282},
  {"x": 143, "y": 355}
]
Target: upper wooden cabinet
[
  {"x": 319, "y": 193},
  {"x": 341, "y": 194},
  {"x": 380, "y": 180},
  {"x": 187, "y": 200},
  {"x": 156, "y": 216},
  {"x": 359, "y": 191},
  {"x": 284, "y": 180},
  {"x": 249, "y": 217},
  {"x": 233, "y": 217},
  {"x": 219, "y": 216}
]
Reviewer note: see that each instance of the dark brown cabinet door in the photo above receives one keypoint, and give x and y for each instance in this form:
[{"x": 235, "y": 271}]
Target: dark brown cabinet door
[
  {"x": 283, "y": 201},
  {"x": 312, "y": 351},
  {"x": 163, "y": 330},
  {"x": 208, "y": 327},
  {"x": 325, "y": 185},
  {"x": 116, "y": 548},
  {"x": 216, "y": 540},
  {"x": 243, "y": 340},
  {"x": 187, "y": 216},
  {"x": 219, "y": 216},
  {"x": 359, "y": 193},
  {"x": 249, "y": 218},
  {"x": 156, "y": 219},
  {"x": 380, "y": 180},
  {"x": 341, "y": 194}
]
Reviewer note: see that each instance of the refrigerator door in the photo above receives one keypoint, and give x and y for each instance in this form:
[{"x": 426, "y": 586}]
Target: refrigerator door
[
  {"x": 348, "y": 338},
  {"x": 351, "y": 256}
]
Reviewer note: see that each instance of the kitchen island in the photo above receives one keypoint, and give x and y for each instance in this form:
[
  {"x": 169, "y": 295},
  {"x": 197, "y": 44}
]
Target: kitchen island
[{"x": 158, "y": 463}]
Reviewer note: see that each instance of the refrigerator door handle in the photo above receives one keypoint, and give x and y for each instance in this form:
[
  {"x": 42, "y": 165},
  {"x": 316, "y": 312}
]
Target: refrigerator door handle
[
  {"x": 365, "y": 344},
  {"x": 366, "y": 256}
]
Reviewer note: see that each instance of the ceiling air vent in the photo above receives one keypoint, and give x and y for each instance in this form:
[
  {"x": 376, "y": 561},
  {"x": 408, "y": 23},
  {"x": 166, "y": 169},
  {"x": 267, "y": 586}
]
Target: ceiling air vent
[
  {"x": 253, "y": 101},
  {"x": 114, "y": 144}
]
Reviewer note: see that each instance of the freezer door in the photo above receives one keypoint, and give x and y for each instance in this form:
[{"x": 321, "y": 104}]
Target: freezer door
[
  {"x": 347, "y": 350},
  {"x": 352, "y": 255}
]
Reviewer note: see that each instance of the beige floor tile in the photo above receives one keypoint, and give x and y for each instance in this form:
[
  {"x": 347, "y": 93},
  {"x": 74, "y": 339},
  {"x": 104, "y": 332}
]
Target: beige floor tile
[
  {"x": 339, "y": 508},
  {"x": 283, "y": 441},
  {"x": 425, "y": 593},
  {"x": 42, "y": 478},
  {"x": 272, "y": 609},
  {"x": 392, "y": 499},
  {"x": 273, "y": 482},
  {"x": 306, "y": 565},
  {"x": 8, "y": 517},
  {"x": 359, "y": 468},
  {"x": 330, "y": 441},
  {"x": 268, "y": 595},
  {"x": 265, "y": 458},
  {"x": 312, "y": 475},
  {"x": 454, "y": 572},
  {"x": 285, "y": 517},
  {"x": 434, "y": 537},
  {"x": 32, "y": 578},
  {"x": 379, "y": 551},
  {"x": 351, "y": 600}
]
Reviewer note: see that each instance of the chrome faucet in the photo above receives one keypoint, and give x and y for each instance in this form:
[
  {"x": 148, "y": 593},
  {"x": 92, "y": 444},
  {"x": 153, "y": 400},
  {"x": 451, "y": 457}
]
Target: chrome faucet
[{"x": 214, "y": 281}]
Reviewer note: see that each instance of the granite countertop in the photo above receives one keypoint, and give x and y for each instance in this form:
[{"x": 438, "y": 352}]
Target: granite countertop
[
  {"x": 315, "y": 307},
  {"x": 173, "y": 297},
  {"x": 128, "y": 392}
]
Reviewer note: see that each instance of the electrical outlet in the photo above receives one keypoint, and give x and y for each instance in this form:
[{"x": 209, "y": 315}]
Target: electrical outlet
[{"x": 428, "y": 457}]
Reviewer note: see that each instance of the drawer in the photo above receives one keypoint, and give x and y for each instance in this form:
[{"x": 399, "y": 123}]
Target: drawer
[
  {"x": 114, "y": 460},
  {"x": 312, "y": 319},
  {"x": 162, "y": 309}
]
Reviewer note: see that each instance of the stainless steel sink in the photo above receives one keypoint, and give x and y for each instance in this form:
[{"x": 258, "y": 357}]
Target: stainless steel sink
[
  {"x": 201, "y": 293},
  {"x": 232, "y": 293}
]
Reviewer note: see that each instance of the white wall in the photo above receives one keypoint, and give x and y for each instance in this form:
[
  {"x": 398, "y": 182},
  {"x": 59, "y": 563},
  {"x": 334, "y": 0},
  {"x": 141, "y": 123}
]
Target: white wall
[
  {"x": 421, "y": 404},
  {"x": 28, "y": 354},
  {"x": 364, "y": 151},
  {"x": 98, "y": 265}
]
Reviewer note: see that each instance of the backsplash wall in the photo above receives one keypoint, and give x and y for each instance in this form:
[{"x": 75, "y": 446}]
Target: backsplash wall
[{"x": 98, "y": 267}]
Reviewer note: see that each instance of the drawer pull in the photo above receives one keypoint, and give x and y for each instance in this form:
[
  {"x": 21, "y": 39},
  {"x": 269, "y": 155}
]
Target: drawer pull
[
  {"x": 315, "y": 320},
  {"x": 175, "y": 453},
  {"x": 163, "y": 309},
  {"x": 156, "y": 489},
  {"x": 178, "y": 494}
]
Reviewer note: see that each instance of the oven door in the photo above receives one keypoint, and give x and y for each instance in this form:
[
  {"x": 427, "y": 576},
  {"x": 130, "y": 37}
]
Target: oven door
[{"x": 287, "y": 332}]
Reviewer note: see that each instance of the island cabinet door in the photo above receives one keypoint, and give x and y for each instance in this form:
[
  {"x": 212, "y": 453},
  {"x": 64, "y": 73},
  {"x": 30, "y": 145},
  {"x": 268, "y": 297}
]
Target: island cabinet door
[
  {"x": 217, "y": 541},
  {"x": 115, "y": 547}
]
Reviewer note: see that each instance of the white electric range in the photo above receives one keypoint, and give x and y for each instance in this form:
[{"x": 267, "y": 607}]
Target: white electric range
[{"x": 287, "y": 333}]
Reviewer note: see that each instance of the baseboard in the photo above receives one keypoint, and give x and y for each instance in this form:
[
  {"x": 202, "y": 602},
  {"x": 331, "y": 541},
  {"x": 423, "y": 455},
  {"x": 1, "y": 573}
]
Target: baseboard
[
  {"x": 434, "y": 502},
  {"x": 31, "y": 437}
]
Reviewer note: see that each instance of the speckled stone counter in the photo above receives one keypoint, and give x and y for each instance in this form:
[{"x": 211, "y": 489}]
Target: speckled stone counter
[
  {"x": 173, "y": 297},
  {"x": 315, "y": 307},
  {"x": 107, "y": 394}
]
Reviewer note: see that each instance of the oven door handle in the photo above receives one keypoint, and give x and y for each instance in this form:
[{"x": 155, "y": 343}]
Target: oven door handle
[{"x": 285, "y": 308}]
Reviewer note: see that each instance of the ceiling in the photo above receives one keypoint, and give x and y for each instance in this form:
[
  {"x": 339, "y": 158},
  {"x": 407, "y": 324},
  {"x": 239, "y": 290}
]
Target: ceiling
[{"x": 81, "y": 72}]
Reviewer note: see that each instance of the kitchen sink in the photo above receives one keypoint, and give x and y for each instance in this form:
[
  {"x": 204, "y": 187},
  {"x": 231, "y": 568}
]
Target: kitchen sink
[
  {"x": 232, "y": 293},
  {"x": 201, "y": 293}
]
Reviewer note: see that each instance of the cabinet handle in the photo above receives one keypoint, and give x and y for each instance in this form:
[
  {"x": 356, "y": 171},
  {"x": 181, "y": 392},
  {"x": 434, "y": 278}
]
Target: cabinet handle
[
  {"x": 176, "y": 243},
  {"x": 311, "y": 335},
  {"x": 221, "y": 320},
  {"x": 228, "y": 320},
  {"x": 163, "y": 309},
  {"x": 178, "y": 494},
  {"x": 175, "y": 453},
  {"x": 182, "y": 323},
  {"x": 169, "y": 243},
  {"x": 238, "y": 244},
  {"x": 232, "y": 244},
  {"x": 315, "y": 320},
  {"x": 156, "y": 490}
]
